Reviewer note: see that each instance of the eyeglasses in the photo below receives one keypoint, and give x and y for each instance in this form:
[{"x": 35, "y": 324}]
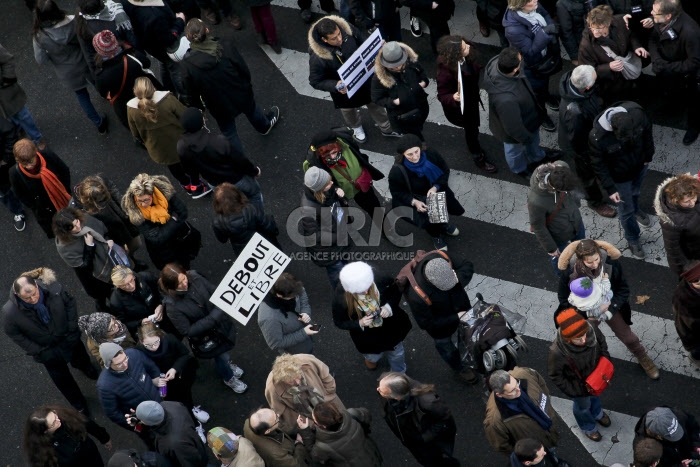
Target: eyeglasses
[
  {"x": 600, "y": 29},
  {"x": 146, "y": 201},
  {"x": 152, "y": 345},
  {"x": 513, "y": 391},
  {"x": 122, "y": 363}
]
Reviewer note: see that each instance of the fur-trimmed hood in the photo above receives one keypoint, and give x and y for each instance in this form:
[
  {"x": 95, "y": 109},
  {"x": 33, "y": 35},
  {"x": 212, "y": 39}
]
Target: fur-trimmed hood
[
  {"x": 129, "y": 205},
  {"x": 670, "y": 215},
  {"x": 568, "y": 253},
  {"x": 383, "y": 74},
  {"x": 317, "y": 45}
]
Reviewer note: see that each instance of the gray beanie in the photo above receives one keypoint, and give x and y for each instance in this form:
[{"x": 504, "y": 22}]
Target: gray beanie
[
  {"x": 150, "y": 413},
  {"x": 439, "y": 273},
  {"x": 393, "y": 55},
  {"x": 107, "y": 352},
  {"x": 316, "y": 179}
]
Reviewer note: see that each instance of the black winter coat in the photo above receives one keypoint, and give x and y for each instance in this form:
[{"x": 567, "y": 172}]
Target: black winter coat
[
  {"x": 171, "y": 353},
  {"x": 32, "y": 194},
  {"x": 8, "y": 138},
  {"x": 224, "y": 85},
  {"x": 322, "y": 227},
  {"x": 572, "y": 19},
  {"x": 379, "y": 339},
  {"x": 156, "y": 28},
  {"x": 686, "y": 303},
  {"x": 132, "y": 307},
  {"x": 440, "y": 319},
  {"x": 240, "y": 228},
  {"x": 614, "y": 162},
  {"x": 213, "y": 156},
  {"x": 71, "y": 451},
  {"x": 673, "y": 453},
  {"x": 162, "y": 240},
  {"x": 193, "y": 315},
  {"x": 176, "y": 438},
  {"x": 679, "y": 55},
  {"x": 514, "y": 114},
  {"x": 52, "y": 341},
  {"x": 577, "y": 110}
]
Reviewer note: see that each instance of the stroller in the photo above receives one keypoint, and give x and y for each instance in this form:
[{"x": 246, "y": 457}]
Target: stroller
[{"x": 488, "y": 338}]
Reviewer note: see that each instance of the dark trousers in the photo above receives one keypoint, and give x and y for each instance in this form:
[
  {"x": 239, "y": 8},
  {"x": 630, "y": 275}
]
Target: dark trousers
[
  {"x": 61, "y": 376},
  {"x": 683, "y": 89},
  {"x": 587, "y": 175},
  {"x": 255, "y": 116},
  {"x": 326, "y": 5},
  {"x": 390, "y": 27},
  {"x": 471, "y": 134},
  {"x": 438, "y": 27},
  {"x": 184, "y": 178},
  {"x": 264, "y": 22},
  {"x": 449, "y": 353},
  {"x": 11, "y": 202},
  {"x": 217, "y": 5}
]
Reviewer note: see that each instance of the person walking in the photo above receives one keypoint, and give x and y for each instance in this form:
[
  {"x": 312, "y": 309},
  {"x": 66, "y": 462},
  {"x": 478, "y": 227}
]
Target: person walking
[
  {"x": 685, "y": 305},
  {"x": 8, "y": 138}
]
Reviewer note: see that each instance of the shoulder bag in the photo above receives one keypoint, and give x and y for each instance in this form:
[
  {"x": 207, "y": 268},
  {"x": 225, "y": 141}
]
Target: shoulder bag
[{"x": 600, "y": 377}]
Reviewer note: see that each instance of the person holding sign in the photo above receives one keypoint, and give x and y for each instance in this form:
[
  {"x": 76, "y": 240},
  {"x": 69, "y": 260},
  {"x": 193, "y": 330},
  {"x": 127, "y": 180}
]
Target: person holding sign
[
  {"x": 210, "y": 332},
  {"x": 332, "y": 41},
  {"x": 458, "y": 92}
]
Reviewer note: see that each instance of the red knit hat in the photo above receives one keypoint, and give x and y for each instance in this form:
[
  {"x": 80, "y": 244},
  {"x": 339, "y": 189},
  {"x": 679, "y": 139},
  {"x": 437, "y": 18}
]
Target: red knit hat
[
  {"x": 571, "y": 324},
  {"x": 105, "y": 44}
]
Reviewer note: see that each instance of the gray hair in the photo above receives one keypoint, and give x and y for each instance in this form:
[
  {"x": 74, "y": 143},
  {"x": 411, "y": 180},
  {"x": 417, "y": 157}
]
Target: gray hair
[
  {"x": 498, "y": 380},
  {"x": 583, "y": 77},
  {"x": 669, "y": 7}
]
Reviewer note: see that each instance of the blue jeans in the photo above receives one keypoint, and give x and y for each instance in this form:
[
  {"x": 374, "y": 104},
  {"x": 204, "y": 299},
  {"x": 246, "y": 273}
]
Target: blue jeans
[
  {"x": 12, "y": 203},
  {"x": 257, "y": 119},
  {"x": 580, "y": 235},
  {"x": 449, "y": 353},
  {"x": 24, "y": 119},
  {"x": 586, "y": 411},
  {"x": 629, "y": 194},
  {"x": 396, "y": 358},
  {"x": 221, "y": 363},
  {"x": 84, "y": 99},
  {"x": 518, "y": 155},
  {"x": 333, "y": 272}
]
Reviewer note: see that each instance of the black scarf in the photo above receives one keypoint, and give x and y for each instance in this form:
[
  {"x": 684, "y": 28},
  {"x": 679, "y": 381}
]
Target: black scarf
[{"x": 284, "y": 306}]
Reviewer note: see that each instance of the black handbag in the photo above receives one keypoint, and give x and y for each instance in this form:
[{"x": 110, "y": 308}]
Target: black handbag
[
  {"x": 190, "y": 242},
  {"x": 408, "y": 116},
  {"x": 549, "y": 65},
  {"x": 208, "y": 345}
]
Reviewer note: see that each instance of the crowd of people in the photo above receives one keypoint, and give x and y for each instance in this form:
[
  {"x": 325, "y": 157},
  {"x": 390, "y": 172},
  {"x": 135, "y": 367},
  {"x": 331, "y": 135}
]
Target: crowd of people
[{"x": 151, "y": 328}]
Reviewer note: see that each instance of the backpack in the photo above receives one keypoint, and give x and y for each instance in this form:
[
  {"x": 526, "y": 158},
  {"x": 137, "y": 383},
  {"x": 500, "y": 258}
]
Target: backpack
[{"x": 406, "y": 277}]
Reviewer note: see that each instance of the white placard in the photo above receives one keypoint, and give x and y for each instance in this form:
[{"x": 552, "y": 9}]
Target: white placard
[
  {"x": 460, "y": 87},
  {"x": 360, "y": 66},
  {"x": 250, "y": 278}
]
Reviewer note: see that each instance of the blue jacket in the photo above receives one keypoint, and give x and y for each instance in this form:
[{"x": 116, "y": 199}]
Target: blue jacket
[
  {"x": 519, "y": 33},
  {"x": 119, "y": 392}
]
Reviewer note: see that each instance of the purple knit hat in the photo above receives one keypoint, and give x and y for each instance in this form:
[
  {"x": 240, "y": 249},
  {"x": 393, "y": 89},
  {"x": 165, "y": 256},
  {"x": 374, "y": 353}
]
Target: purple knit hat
[{"x": 581, "y": 287}]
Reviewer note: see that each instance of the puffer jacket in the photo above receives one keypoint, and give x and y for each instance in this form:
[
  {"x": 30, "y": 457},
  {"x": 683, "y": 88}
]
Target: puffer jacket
[
  {"x": 348, "y": 446},
  {"x": 322, "y": 229},
  {"x": 609, "y": 256},
  {"x": 585, "y": 358},
  {"x": 680, "y": 228},
  {"x": 156, "y": 27},
  {"x": 531, "y": 45},
  {"x": 577, "y": 110},
  {"x": 284, "y": 333},
  {"x": 176, "y": 438},
  {"x": 514, "y": 114},
  {"x": 121, "y": 391},
  {"x": 680, "y": 54},
  {"x": 132, "y": 307},
  {"x": 403, "y": 85},
  {"x": 542, "y": 202},
  {"x": 240, "y": 228},
  {"x": 59, "y": 46},
  {"x": 572, "y": 18},
  {"x": 504, "y": 427},
  {"x": 325, "y": 60},
  {"x": 613, "y": 162}
]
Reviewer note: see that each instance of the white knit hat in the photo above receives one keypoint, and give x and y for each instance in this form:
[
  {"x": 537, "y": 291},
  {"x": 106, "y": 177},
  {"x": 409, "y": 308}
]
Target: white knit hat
[{"x": 356, "y": 277}]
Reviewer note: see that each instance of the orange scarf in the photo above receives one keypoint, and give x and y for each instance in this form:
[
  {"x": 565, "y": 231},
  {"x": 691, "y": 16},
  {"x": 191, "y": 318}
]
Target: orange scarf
[
  {"x": 54, "y": 188},
  {"x": 158, "y": 210}
]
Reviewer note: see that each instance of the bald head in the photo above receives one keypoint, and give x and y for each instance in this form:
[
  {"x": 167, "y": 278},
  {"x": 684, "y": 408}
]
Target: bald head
[
  {"x": 26, "y": 288},
  {"x": 263, "y": 421}
]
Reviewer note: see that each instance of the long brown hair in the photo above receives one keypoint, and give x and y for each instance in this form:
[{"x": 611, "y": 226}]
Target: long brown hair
[
  {"x": 228, "y": 199},
  {"x": 46, "y": 12},
  {"x": 38, "y": 445},
  {"x": 586, "y": 248},
  {"x": 93, "y": 194},
  {"x": 62, "y": 224},
  {"x": 353, "y": 304}
]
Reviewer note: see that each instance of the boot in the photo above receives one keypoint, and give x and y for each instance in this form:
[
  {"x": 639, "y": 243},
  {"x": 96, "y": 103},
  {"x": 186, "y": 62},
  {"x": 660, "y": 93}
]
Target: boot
[
  {"x": 468, "y": 376},
  {"x": 370, "y": 365},
  {"x": 648, "y": 366}
]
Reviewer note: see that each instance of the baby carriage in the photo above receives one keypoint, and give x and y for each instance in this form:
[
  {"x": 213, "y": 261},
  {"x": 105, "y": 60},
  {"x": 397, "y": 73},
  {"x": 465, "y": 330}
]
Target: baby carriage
[{"x": 488, "y": 337}]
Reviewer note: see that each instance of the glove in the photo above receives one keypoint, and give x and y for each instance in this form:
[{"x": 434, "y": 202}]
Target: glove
[
  {"x": 604, "y": 316},
  {"x": 551, "y": 29}
]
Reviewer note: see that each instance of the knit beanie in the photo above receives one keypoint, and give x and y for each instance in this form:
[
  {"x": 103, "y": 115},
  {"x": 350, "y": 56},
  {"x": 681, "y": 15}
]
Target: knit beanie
[
  {"x": 192, "y": 120},
  {"x": 581, "y": 287},
  {"x": 316, "y": 179},
  {"x": 107, "y": 352},
  {"x": 571, "y": 324},
  {"x": 95, "y": 324},
  {"x": 407, "y": 142},
  {"x": 222, "y": 442},
  {"x": 356, "y": 277},
  {"x": 105, "y": 44},
  {"x": 439, "y": 273},
  {"x": 150, "y": 413},
  {"x": 322, "y": 138}
]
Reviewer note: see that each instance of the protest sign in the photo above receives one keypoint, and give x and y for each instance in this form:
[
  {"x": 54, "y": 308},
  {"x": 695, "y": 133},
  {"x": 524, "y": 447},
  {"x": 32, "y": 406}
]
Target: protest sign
[
  {"x": 250, "y": 278},
  {"x": 360, "y": 66}
]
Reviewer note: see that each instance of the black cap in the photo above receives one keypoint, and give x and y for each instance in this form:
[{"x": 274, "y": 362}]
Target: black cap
[
  {"x": 192, "y": 120},
  {"x": 407, "y": 142}
]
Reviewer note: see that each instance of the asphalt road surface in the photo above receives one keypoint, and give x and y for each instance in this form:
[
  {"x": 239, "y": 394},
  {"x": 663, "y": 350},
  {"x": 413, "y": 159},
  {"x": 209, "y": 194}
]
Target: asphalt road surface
[{"x": 511, "y": 268}]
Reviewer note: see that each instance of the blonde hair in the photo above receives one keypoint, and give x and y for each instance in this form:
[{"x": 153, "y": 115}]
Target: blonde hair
[
  {"x": 517, "y": 5},
  {"x": 351, "y": 300},
  {"x": 93, "y": 194},
  {"x": 120, "y": 274},
  {"x": 285, "y": 369},
  {"x": 144, "y": 90}
]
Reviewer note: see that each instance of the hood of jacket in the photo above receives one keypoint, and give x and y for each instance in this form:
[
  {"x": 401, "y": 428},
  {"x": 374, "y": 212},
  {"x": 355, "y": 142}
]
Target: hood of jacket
[
  {"x": 383, "y": 74},
  {"x": 44, "y": 277},
  {"x": 316, "y": 43},
  {"x": 196, "y": 141},
  {"x": 674, "y": 216},
  {"x": 202, "y": 60},
  {"x": 129, "y": 205},
  {"x": 157, "y": 97},
  {"x": 569, "y": 92},
  {"x": 538, "y": 181},
  {"x": 495, "y": 82},
  {"x": 61, "y": 32},
  {"x": 568, "y": 253}
]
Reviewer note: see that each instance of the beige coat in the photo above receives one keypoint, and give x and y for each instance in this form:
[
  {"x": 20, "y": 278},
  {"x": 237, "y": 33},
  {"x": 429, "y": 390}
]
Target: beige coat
[
  {"x": 247, "y": 456},
  {"x": 284, "y": 453},
  {"x": 317, "y": 375},
  {"x": 161, "y": 137}
]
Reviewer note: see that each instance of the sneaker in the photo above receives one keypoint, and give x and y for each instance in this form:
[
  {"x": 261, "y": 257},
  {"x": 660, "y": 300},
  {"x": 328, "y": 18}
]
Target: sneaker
[
  {"x": 604, "y": 421},
  {"x": 358, "y": 134},
  {"x": 201, "y": 415},
  {"x": 637, "y": 250},
  {"x": 276, "y": 47},
  {"x": 237, "y": 385},
  {"x": 306, "y": 16},
  {"x": 451, "y": 230},
  {"x": 439, "y": 243},
  {"x": 237, "y": 370},
  {"x": 200, "y": 431},
  {"x": 548, "y": 125},
  {"x": 484, "y": 164},
  {"x": 235, "y": 22},
  {"x": 199, "y": 191},
  {"x": 188, "y": 189},
  {"x": 392, "y": 134},
  {"x": 273, "y": 115},
  {"x": 416, "y": 30},
  {"x": 102, "y": 129},
  {"x": 605, "y": 210},
  {"x": 642, "y": 218},
  {"x": 648, "y": 366},
  {"x": 19, "y": 222}
]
